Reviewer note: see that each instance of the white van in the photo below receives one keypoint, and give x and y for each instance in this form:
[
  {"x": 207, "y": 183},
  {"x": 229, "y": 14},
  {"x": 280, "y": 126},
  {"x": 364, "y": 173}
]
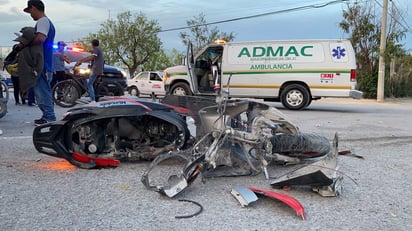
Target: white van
[{"x": 292, "y": 72}]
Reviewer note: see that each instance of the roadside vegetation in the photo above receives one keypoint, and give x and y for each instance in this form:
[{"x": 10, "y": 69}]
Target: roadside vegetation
[{"x": 363, "y": 25}]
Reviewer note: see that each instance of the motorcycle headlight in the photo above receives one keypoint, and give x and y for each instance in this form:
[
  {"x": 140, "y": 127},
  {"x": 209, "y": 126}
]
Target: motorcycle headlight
[{"x": 83, "y": 71}]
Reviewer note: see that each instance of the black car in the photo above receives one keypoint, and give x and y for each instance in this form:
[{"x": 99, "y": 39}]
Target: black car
[{"x": 113, "y": 75}]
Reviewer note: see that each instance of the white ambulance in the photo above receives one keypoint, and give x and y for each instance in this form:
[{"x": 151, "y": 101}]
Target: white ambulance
[{"x": 291, "y": 72}]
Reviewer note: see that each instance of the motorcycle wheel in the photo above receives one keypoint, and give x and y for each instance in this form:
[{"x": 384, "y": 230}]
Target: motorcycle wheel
[
  {"x": 4, "y": 91},
  {"x": 65, "y": 93},
  {"x": 101, "y": 91},
  {"x": 3, "y": 108}
]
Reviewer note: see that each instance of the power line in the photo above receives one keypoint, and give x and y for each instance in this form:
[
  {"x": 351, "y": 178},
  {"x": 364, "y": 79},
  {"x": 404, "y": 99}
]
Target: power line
[
  {"x": 406, "y": 26},
  {"x": 261, "y": 15}
]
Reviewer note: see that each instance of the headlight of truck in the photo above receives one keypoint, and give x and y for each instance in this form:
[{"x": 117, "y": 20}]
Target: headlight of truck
[{"x": 124, "y": 73}]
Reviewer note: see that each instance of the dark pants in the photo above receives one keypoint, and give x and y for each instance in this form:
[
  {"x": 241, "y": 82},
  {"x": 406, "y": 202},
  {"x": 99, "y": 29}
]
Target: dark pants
[
  {"x": 30, "y": 97},
  {"x": 57, "y": 77},
  {"x": 16, "y": 89}
]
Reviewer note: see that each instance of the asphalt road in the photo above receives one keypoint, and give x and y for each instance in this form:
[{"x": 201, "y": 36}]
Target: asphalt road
[{"x": 39, "y": 192}]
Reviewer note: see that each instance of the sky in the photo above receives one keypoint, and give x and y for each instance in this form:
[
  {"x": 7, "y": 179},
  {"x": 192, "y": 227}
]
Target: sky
[{"x": 75, "y": 19}]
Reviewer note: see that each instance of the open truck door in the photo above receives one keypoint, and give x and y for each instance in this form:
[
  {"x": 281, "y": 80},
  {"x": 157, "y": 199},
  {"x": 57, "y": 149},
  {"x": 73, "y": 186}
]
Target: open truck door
[{"x": 190, "y": 61}]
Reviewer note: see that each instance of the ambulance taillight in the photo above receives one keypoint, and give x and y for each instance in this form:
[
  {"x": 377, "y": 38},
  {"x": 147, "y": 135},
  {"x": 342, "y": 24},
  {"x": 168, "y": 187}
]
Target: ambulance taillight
[{"x": 353, "y": 75}]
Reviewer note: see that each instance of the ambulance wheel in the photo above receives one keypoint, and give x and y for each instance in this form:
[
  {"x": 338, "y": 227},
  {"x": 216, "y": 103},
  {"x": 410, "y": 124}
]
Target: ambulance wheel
[
  {"x": 295, "y": 97},
  {"x": 309, "y": 102},
  {"x": 181, "y": 89}
]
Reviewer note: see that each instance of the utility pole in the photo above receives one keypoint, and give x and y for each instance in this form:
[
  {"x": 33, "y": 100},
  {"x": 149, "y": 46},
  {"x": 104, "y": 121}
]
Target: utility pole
[{"x": 381, "y": 72}]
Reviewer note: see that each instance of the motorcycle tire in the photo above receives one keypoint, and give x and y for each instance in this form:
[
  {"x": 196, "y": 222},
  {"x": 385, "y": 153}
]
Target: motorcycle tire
[
  {"x": 303, "y": 145},
  {"x": 3, "y": 108},
  {"x": 4, "y": 92},
  {"x": 65, "y": 93},
  {"x": 101, "y": 91}
]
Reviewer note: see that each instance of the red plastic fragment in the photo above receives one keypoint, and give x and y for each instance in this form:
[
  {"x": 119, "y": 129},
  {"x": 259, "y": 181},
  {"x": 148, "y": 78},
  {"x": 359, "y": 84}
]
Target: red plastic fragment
[
  {"x": 292, "y": 202},
  {"x": 106, "y": 162},
  {"x": 81, "y": 158},
  {"x": 345, "y": 152},
  {"x": 349, "y": 153},
  {"x": 286, "y": 188},
  {"x": 100, "y": 162}
]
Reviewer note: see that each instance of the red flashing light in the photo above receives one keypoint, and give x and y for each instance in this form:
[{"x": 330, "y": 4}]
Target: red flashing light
[{"x": 75, "y": 49}]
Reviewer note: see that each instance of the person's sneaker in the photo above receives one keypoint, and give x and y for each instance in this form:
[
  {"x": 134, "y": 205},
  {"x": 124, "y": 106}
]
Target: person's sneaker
[{"x": 40, "y": 122}]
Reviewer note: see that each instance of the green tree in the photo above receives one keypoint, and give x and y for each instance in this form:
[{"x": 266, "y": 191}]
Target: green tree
[
  {"x": 163, "y": 60},
  {"x": 363, "y": 26},
  {"x": 364, "y": 35},
  {"x": 399, "y": 81},
  {"x": 175, "y": 57},
  {"x": 200, "y": 34},
  {"x": 130, "y": 40},
  {"x": 158, "y": 63}
]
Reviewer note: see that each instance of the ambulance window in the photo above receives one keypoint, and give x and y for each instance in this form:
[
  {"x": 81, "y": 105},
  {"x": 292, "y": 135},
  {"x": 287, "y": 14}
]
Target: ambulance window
[
  {"x": 202, "y": 60},
  {"x": 209, "y": 57}
]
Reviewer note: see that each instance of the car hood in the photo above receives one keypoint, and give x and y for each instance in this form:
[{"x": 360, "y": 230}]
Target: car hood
[{"x": 85, "y": 65}]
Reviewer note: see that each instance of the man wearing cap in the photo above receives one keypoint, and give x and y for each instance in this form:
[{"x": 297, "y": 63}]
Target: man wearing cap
[
  {"x": 45, "y": 36},
  {"x": 59, "y": 57}
]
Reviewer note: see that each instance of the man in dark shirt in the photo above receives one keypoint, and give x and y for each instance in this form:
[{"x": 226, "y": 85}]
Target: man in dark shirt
[{"x": 97, "y": 61}]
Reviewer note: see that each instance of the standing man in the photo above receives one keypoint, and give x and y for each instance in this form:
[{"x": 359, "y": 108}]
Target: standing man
[
  {"x": 59, "y": 57},
  {"x": 44, "y": 36},
  {"x": 97, "y": 60}
]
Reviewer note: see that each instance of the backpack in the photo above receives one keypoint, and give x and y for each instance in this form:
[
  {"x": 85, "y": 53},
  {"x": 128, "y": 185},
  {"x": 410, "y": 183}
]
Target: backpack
[{"x": 11, "y": 61}]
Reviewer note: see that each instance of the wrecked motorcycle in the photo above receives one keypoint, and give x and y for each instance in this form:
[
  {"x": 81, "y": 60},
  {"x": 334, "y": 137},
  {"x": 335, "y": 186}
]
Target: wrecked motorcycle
[
  {"x": 233, "y": 137},
  {"x": 117, "y": 128},
  {"x": 241, "y": 137}
]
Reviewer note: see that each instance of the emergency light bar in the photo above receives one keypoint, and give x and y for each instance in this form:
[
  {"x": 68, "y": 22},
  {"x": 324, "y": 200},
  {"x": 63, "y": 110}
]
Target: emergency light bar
[
  {"x": 67, "y": 48},
  {"x": 220, "y": 41}
]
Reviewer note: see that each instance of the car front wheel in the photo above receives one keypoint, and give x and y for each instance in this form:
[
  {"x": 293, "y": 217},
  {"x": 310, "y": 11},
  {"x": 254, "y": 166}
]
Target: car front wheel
[{"x": 134, "y": 91}]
